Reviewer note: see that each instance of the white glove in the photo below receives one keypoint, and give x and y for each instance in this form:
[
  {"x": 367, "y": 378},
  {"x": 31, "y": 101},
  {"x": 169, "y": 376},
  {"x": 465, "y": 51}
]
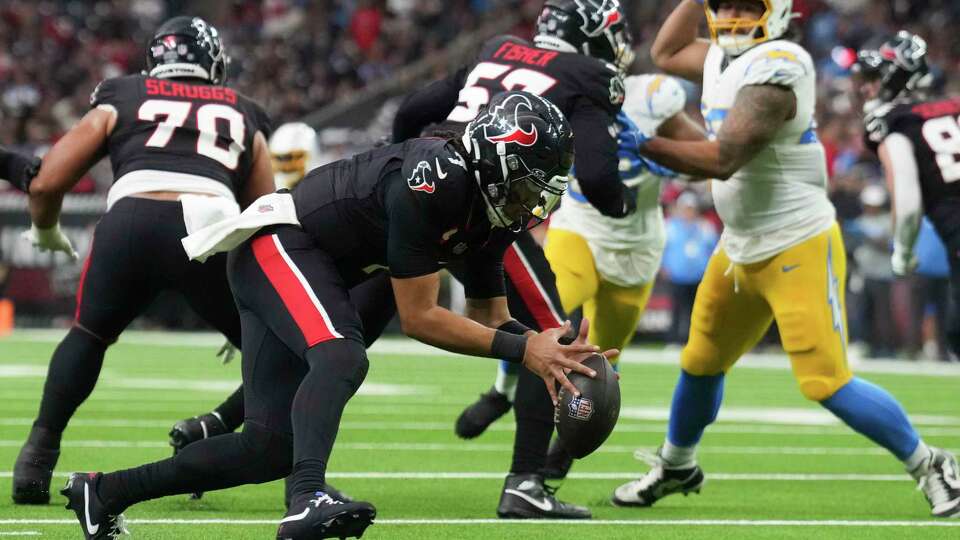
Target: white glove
[
  {"x": 903, "y": 261},
  {"x": 51, "y": 239},
  {"x": 228, "y": 351}
]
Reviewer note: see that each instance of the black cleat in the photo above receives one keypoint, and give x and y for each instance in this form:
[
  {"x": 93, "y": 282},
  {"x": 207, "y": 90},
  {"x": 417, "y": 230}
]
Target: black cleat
[
  {"x": 322, "y": 516},
  {"x": 95, "y": 521},
  {"x": 525, "y": 496},
  {"x": 194, "y": 429},
  {"x": 661, "y": 480},
  {"x": 558, "y": 461},
  {"x": 327, "y": 488},
  {"x": 476, "y": 418},
  {"x": 32, "y": 473}
]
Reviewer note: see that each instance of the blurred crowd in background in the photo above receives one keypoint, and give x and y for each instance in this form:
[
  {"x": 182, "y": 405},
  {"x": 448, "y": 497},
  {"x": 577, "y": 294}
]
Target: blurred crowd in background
[{"x": 297, "y": 56}]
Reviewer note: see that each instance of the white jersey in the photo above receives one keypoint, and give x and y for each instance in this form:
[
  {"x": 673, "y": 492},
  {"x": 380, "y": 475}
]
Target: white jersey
[
  {"x": 778, "y": 199},
  {"x": 627, "y": 251}
]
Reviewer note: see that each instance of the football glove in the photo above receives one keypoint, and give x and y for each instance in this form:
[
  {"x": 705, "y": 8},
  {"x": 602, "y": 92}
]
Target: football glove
[
  {"x": 903, "y": 261},
  {"x": 629, "y": 142},
  {"x": 227, "y": 352},
  {"x": 51, "y": 239}
]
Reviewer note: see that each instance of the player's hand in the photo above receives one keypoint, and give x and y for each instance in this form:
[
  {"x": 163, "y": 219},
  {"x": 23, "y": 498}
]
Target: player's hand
[
  {"x": 903, "y": 261},
  {"x": 51, "y": 239},
  {"x": 631, "y": 137},
  {"x": 546, "y": 357},
  {"x": 227, "y": 352}
]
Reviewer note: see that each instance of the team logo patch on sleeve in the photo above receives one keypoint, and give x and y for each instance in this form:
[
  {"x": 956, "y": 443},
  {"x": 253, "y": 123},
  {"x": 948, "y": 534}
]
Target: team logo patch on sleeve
[
  {"x": 418, "y": 180},
  {"x": 580, "y": 408}
]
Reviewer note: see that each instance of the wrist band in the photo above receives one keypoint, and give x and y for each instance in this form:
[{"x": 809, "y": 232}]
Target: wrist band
[
  {"x": 509, "y": 347},
  {"x": 514, "y": 326}
]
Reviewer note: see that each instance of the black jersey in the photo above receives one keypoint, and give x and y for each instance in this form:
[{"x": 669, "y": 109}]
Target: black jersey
[
  {"x": 933, "y": 128},
  {"x": 181, "y": 126},
  {"x": 588, "y": 91},
  {"x": 412, "y": 208}
]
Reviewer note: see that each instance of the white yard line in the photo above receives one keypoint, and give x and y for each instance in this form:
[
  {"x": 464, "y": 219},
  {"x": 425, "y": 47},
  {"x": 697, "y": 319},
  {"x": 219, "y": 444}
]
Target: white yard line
[
  {"x": 494, "y": 447},
  {"x": 538, "y": 522},
  {"x": 405, "y": 346},
  {"x": 627, "y": 475}
]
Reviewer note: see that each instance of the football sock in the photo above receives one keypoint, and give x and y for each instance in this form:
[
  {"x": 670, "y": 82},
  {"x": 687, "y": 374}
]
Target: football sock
[
  {"x": 72, "y": 374},
  {"x": 873, "y": 412},
  {"x": 678, "y": 456},
  {"x": 230, "y": 411},
  {"x": 337, "y": 368},
  {"x": 253, "y": 456},
  {"x": 533, "y": 411},
  {"x": 915, "y": 464},
  {"x": 507, "y": 376},
  {"x": 696, "y": 400}
]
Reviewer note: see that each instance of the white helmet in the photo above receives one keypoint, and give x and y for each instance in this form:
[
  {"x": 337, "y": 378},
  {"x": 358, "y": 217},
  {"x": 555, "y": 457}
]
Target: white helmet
[
  {"x": 737, "y": 36},
  {"x": 294, "y": 150}
]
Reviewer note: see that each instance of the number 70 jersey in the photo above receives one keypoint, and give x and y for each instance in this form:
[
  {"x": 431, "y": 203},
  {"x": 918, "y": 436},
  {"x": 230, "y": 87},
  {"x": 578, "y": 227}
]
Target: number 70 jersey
[{"x": 178, "y": 132}]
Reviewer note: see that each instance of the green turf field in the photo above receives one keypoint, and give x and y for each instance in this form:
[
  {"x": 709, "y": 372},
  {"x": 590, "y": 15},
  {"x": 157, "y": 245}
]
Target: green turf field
[{"x": 777, "y": 467}]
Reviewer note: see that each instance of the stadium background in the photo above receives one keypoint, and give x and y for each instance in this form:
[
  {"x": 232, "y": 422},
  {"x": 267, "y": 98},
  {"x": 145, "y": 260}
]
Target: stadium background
[{"x": 343, "y": 65}]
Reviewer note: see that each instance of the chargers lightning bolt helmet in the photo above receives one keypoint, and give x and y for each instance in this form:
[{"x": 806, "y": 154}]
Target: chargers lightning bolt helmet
[
  {"x": 187, "y": 47},
  {"x": 521, "y": 149},
  {"x": 738, "y": 35},
  {"x": 595, "y": 28},
  {"x": 900, "y": 64}
]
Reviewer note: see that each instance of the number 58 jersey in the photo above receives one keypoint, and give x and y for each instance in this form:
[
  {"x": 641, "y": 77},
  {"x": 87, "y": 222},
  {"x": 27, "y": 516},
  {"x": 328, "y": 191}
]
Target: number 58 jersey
[
  {"x": 933, "y": 128},
  {"x": 179, "y": 135}
]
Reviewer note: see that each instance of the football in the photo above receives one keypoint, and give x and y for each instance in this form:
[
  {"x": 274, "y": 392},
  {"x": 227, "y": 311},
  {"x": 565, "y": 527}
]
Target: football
[{"x": 584, "y": 423}]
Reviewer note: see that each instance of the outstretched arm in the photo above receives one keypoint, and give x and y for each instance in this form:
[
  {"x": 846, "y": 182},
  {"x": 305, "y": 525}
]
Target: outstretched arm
[
  {"x": 757, "y": 115},
  {"x": 677, "y": 50}
]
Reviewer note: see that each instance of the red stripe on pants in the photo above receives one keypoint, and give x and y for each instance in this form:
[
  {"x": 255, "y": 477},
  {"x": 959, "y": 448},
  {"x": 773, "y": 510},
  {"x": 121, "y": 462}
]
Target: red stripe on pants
[
  {"x": 292, "y": 292},
  {"x": 526, "y": 284},
  {"x": 83, "y": 279}
]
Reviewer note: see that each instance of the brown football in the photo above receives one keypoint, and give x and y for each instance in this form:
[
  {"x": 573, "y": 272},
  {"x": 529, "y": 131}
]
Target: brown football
[{"x": 584, "y": 423}]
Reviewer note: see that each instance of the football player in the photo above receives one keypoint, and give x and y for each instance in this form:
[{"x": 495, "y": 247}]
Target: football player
[
  {"x": 916, "y": 138},
  {"x": 575, "y": 61},
  {"x": 780, "y": 244},
  {"x": 410, "y": 209},
  {"x": 608, "y": 266},
  {"x": 173, "y": 134},
  {"x": 294, "y": 150}
]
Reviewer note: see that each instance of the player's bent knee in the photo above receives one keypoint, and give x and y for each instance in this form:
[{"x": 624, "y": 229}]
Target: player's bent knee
[
  {"x": 699, "y": 360},
  {"x": 272, "y": 450},
  {"x": 345, "y": 358},
  {"x": 821, "y": 388}
]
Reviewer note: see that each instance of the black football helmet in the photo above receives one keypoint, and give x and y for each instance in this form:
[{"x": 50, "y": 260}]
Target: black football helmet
[
  {"x": 900, "y": 64},
  {"x": 521, "y": 148},
  {"x": 596, "y": 28},
  {"x": 187, "y": 47}
]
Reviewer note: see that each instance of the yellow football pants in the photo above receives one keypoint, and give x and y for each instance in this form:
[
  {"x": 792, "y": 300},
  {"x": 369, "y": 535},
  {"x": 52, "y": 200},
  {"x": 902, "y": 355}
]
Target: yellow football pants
[
  {"x": 801, "y": 288},
  {"x": 613, "y": 311}
]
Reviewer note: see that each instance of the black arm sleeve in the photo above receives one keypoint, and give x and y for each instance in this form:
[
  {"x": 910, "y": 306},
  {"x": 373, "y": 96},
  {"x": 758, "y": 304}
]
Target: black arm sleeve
[
  {"x": 18, "y": 169},
  {"x": 429, "y": 105},
  {"x": 596, "y": 162}
]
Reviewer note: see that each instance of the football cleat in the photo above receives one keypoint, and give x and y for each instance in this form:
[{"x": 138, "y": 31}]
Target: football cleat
[
  {"x": 95, "y": 521},
  {"x": 476, "y": 418},
  {"x": 525, "y": 496},
  {"x": 327, "y": 488},
  {"x": 322, "y": 516},
  {"x": 194, "y": 429},
  {"x": 32, "y": 473},
  {"x": 661, "y": 480},
  {"x": 940, "y": 483},
  {"x": 558, "y": 463}
]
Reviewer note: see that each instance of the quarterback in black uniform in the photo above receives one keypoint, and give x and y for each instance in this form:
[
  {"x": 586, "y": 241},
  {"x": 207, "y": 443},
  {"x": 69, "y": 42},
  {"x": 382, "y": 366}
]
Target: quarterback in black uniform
[
  {"x": 174, "y": 132},
  {"x": 917, "y": 139},
  {"x": 576, "y": 61},
  {"x": 408, "y": 209}
]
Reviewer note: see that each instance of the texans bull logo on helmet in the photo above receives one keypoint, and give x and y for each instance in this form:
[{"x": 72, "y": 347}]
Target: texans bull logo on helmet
[
  {"x": 598, "y": 15},
  {"x": 418, "y": 180},
  {"x": 513, "y": 131}
]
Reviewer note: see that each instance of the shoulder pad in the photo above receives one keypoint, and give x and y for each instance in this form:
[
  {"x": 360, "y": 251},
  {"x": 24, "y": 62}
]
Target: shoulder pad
[
  {"x": 427, "y": 163},
  {"x": 779, "y": 62}
]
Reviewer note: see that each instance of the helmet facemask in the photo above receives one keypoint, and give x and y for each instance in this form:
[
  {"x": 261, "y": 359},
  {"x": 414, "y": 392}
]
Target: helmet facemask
[
  {"x": 898, "y": 68},
  {"x": 738, "y": 35}
]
